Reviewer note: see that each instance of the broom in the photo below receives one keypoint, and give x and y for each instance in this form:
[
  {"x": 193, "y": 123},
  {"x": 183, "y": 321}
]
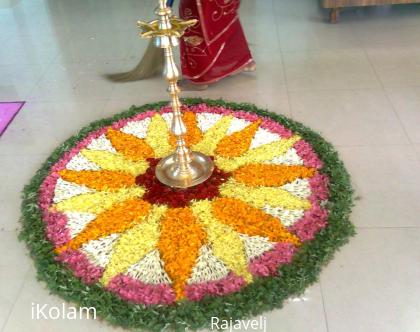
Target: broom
[{"x": 151, "y": 64}]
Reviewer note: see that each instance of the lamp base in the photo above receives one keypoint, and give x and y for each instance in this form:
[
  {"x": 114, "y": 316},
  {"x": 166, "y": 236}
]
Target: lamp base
[{"x": 169, "y": 172}]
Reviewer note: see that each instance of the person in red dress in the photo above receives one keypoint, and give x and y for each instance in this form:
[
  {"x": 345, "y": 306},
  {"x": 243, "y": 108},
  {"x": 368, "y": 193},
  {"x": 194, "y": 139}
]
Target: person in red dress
[{"x": 216, "y": 46}]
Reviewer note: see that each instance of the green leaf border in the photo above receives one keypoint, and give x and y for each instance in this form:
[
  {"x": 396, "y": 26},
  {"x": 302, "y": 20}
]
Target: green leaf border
[{"x": 262, "y": 295}]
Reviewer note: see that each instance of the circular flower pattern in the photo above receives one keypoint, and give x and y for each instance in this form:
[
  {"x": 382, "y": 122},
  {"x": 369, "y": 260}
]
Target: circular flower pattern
[{"x": 114, "y": 225}]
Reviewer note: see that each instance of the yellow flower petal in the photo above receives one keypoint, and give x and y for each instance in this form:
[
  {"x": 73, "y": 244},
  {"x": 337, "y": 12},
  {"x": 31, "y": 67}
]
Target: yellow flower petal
[
  {"x": 158, "y": 137},
  {"x": 261, "y": 196},
  {"x": 213, "y": 136},
  {"x": 259, "y": 154},
  {"x": 134, "y": 244},
  {"x": 115, "y": 162},
  {"x": 225, "y": 242},
  {"x": 98, "y": 202}
]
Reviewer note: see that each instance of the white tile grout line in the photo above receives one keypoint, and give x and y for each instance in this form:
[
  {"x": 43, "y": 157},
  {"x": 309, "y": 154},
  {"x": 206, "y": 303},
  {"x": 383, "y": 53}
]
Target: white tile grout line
[
  {"x": 15, "y": 301},
  {"x": 387, "y": 96},
  {"x": 282, "y": 64},
  {"x": 44, "y": 73},
  {"x": 324, "y": 306}
]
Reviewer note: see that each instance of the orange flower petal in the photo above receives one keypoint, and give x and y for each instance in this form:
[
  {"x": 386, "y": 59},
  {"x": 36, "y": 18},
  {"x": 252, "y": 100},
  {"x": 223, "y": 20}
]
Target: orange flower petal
[
  {"x": 238, "y": 143},
  {"x": 271, "y": 175},
  {"x": 116, "y": 220},
  {"x": 248, "y": 220},
  {"x": 193, "y": 135},
  {"x": 130, "y": 146},
  {"x": 99, "y": 180},
  {"x": 180, "y": 240}
]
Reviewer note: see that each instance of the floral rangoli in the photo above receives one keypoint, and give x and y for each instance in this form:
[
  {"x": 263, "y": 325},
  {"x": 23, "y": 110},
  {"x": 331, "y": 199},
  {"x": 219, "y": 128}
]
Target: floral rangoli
[{"x": 112, "y": 225}]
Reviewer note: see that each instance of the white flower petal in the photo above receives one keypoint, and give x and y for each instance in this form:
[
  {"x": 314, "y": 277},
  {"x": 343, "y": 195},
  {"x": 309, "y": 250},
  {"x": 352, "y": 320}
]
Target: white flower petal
[
  {"x": 80, "y": 163},
  {"x": 65, "y": 190},
  {"x": 101, "y": 144},
  {"x": 168, "y": 119},
  {"x": 289, "y": 158},
  {"x": 150, "y": 270},
  {"x": 255, "y": 245},
  {"x": 236, "y": 125},
  {"x": 99, "y": 251},
  {"x": 137, "y": 128},
  {"x": 76, "y": 221},
  {"x": 262, "y": 137},
  {"x": 299, "y": 188},
  {"x": 207, "y": 120},
  {"x": 286, "y": 217},
  {"x": 208, "y": 267}
]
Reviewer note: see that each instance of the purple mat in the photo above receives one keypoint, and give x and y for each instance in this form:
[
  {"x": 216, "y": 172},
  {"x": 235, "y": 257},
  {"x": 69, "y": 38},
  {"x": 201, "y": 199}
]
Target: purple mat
[{"x": 7, "y": 112}]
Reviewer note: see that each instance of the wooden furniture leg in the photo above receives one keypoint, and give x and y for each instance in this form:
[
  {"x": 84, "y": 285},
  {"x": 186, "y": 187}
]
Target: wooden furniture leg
[{"x": 334, "y": 15}]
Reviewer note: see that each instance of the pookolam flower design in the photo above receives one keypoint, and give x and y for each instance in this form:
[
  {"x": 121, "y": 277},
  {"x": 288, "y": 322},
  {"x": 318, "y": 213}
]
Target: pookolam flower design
[{"x": 114, "y": 225}]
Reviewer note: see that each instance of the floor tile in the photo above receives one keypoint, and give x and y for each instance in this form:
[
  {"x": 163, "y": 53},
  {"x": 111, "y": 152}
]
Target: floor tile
[
  {"x": 299, "y": 314},
  {"x": 329, "y": 69},
  {"x": 18, "y": 170},
  {"x": 372, "y": 284},
  {"x": 75, "y": 82},
  {"x": 40, "y": 126},
  {"x": 29, "y": 133},
  {"x": 406, "y": 102},
  {"x": 136, "y": 93},
  {"x": 33, "y": 293},
  {"x": 349, "y": 117},
  {"x": 396, "y": 67},
  {"x": 379, "y": 36},
  {"x": 303, "y": 313},
  {"x": 417, "y": 149},
  {"x": 387, "y": 184},
  {"x": 98, "y": 46},
  {"x": 17, "y": 81},
  {"x": 14, "y": 265},
  {"x": 68, "y": 117},
  {"x": 23, "y": 50},
  {"x": 316, "y": 36}
]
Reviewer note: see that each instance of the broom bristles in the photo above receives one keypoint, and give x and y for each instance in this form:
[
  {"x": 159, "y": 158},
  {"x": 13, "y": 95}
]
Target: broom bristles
[{"x": 151, "y": 64}]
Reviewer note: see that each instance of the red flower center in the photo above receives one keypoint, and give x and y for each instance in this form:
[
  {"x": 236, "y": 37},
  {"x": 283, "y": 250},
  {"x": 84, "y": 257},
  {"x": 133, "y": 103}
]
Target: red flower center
[{"x": 158, "y": 193}]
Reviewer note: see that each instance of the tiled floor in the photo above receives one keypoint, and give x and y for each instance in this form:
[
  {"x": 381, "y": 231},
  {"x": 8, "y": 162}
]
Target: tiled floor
[{"x": 357, "y": 82}]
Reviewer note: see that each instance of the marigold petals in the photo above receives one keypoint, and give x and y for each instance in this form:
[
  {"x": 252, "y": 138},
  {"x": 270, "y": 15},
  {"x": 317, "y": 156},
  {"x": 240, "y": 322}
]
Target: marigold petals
[
  {"x": 181, "y": 238},
  {"x": 115, "y": 162},
  {"x": 213, "y": 136},
  {"x": 130, "y": 146},
  {"x": 238, "y": 143},
  {"x": 158, "y": 137},
  {"x": 260, "y": 154},
  {"x": 116, "y": 220},
  {"x": 245, "y": 219},
  {"x": 226, "y": 244},
  {"x": 99, "y": 180},
  {"x": 193, "y": 135},
  {"x": 134, "y": 244},
  {"x": 259, "y": 197},
  {"x": 98, "y": 202},
  {"x": 271, "y": 175}
]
